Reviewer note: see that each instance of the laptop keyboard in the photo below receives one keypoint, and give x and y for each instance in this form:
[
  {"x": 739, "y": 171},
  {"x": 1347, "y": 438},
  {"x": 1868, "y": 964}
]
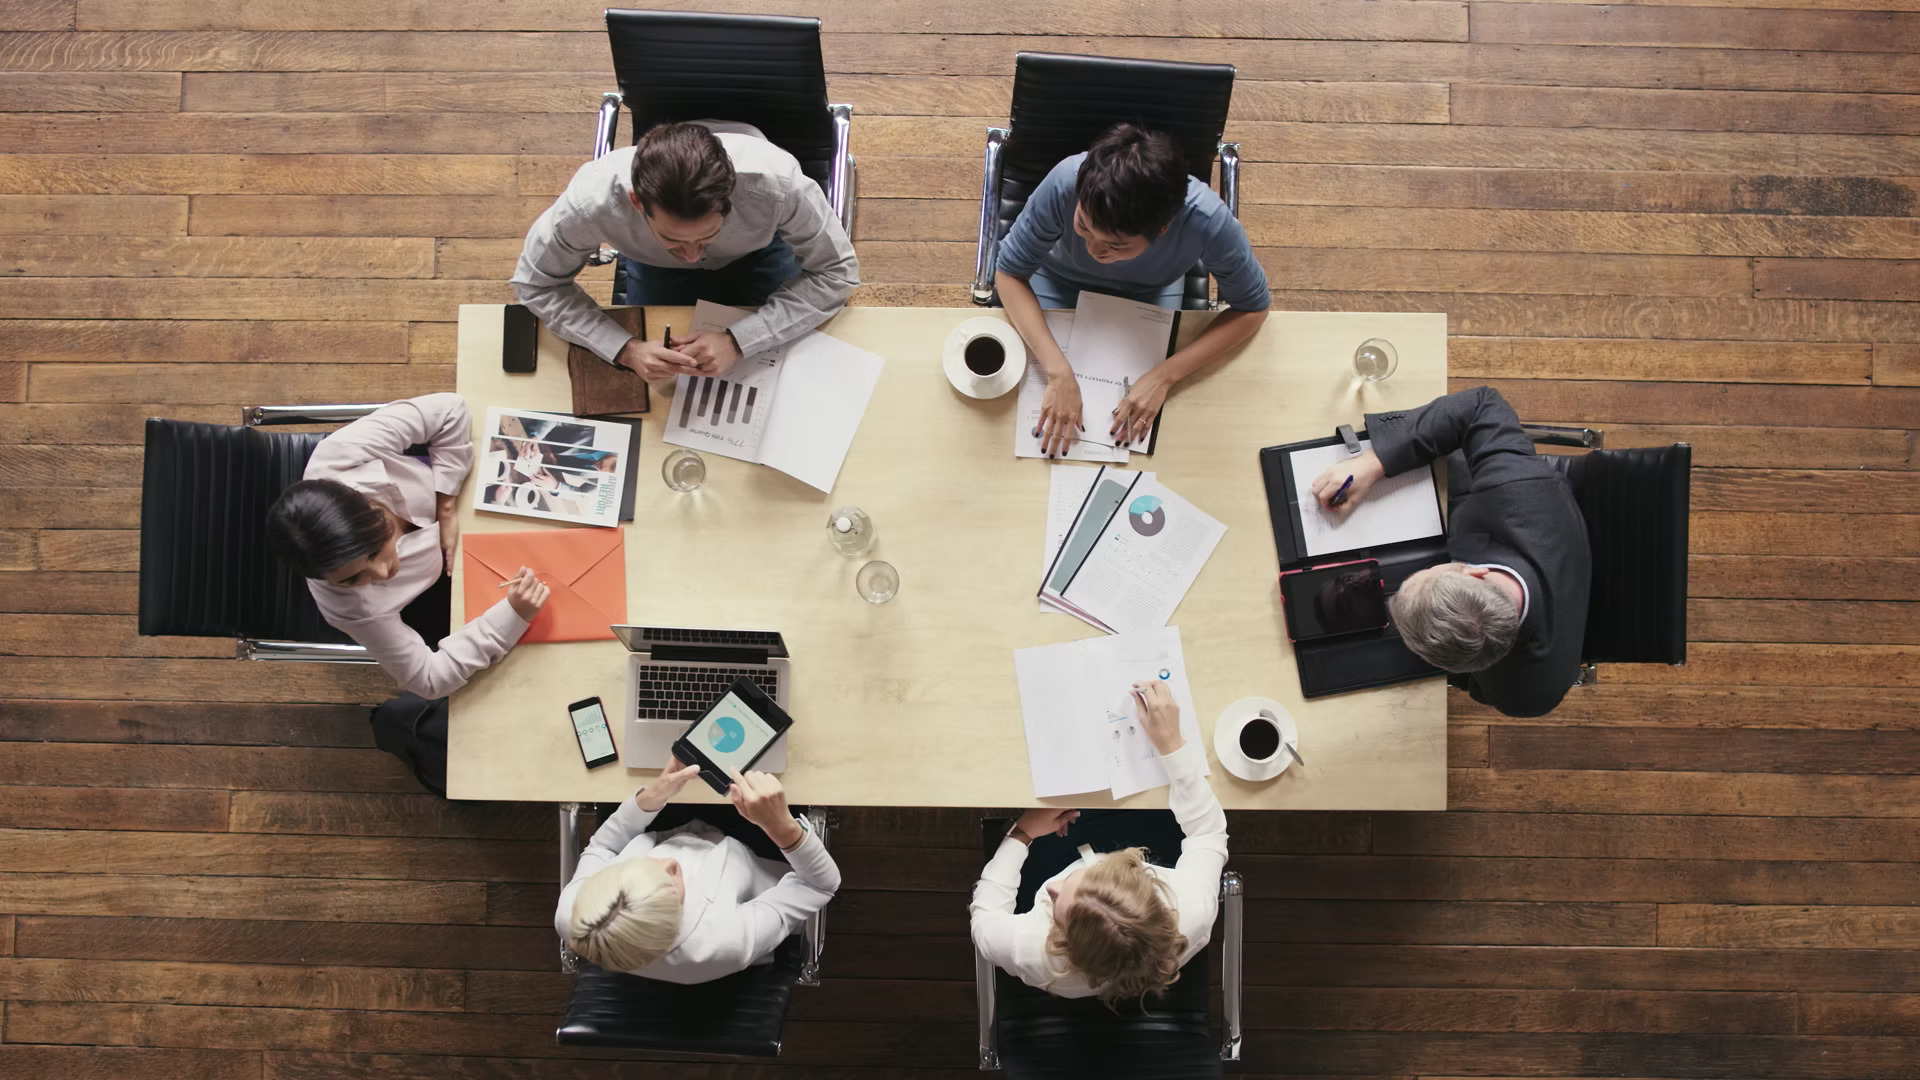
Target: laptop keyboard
[{"x": 671, "y": 691}]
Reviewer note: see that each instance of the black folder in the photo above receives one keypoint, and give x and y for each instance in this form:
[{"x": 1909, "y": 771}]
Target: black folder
[{"x": 1350, "y": 661}]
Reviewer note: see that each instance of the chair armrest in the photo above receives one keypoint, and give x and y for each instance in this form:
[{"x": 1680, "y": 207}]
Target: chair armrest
[
  {"x": 569, "y": 861},
  {"x": 607, "y": 125},
  {"x": 986, "y": 255},
  {"x": 1232, "y": 896},
  {"x": 317, "y": 652},
  {"x": 985, "y": 1005},
  {"x": 269, "y": 415},
  {"x": 1230, "y": 176},
  {"x": 1549, "y": 435},
  {"x": 840, "y": 174},
  {"x": 815, "y": 927}
]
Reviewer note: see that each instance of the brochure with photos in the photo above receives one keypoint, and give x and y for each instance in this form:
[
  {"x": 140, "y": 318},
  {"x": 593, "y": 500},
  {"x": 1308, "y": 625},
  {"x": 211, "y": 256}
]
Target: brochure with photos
[{"x": 559, "y": 468}]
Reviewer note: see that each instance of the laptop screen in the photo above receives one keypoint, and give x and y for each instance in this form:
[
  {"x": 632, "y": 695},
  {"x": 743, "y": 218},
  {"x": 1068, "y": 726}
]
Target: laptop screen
[{"x": 690, "y": 640}]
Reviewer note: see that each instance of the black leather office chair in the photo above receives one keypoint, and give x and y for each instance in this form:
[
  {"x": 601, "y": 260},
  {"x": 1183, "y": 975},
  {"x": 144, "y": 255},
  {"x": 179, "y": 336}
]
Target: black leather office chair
[
  {"x": 205, "y": 567},
  {"x": 1030, "y": 1033},
  {"x": 763, "y": 70},
  {"x": 741, "y": 1015},
  {"x": 1635, "y": 503},
  {"x": 1062, "y": 103}
]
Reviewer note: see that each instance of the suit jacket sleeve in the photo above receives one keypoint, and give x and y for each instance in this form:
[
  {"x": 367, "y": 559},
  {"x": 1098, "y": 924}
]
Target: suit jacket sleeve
[
  {"x": 438, "y": 420},
  {"x": 777, "y": 914},
  {"x": 1477, "y": 421},
  {"x": 609, "y": 840},
  {"x": 829, "y": 271},
  {"x": 404, "y": 654}
]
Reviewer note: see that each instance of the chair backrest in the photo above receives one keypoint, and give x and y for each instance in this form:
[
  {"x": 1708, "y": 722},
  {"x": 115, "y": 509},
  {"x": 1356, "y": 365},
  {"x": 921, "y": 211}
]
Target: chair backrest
[
  {"x": 1635, "y": 503},
  {"x": 1040, "y": 1035},
  {"x": 741, "y": 1014},
  {"x": 1061, "y": 103},
  {"x": 205, "y": 567},
  {"x": 763, "y": 70}
]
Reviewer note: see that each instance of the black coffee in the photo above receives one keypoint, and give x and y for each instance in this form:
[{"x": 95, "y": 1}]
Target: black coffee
[
  {"x": 985, "y": 355},
  {"x": 1259, "y": 739}
]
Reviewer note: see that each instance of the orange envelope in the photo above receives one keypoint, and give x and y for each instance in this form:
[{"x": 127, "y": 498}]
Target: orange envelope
[{"x": 586, "y": 569}]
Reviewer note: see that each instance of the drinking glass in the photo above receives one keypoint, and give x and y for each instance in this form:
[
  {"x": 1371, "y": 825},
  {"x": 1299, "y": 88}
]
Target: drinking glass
[
  {"x": 1375, "y": 359},
  {"x": 877, "y": 582},
  {"x": 684, "y": 470}
]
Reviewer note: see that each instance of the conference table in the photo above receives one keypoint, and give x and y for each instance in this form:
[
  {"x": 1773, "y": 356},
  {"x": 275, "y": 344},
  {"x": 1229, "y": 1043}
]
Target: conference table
[{"x": 913, "y": 702}]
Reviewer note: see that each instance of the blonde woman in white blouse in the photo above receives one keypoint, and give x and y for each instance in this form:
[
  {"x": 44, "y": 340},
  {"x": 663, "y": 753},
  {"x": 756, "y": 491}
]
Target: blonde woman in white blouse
[
  {"x": 1111, "y": 926},
  {"x": 371, "y": 528}
]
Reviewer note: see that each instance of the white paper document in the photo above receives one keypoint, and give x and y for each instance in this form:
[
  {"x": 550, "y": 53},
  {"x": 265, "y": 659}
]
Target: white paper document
[
  {"x": 552, "y": 466},
  {"x": 1115, "y": 341},
  {"x": 1396, "y": 508},
  {"x": 1084, "y": 731},
  {"x": 1093, "y": 444},
  {"x": 1132, "y": 552},
  {"x": 795, "y": 408}
]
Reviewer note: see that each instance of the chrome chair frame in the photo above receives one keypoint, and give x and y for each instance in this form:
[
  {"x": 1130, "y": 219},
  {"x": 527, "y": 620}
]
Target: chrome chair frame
[
  {"x": 987, "y": 246},
  {"x": 1232, "y": 948},
  {"x": 820, "y": 818},
  {"x": 843, "y": 175}
]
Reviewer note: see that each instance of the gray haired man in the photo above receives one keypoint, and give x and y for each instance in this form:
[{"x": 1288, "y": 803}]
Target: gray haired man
[{"x": 1510, "y": 613}]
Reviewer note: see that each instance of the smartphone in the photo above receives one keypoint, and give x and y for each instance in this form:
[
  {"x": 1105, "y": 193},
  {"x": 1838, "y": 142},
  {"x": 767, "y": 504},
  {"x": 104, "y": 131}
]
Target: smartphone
[
  {"x": 1341, "y": 598},
  {"x": 590, "y": 730},
  {"x": 520, "y": 347}
]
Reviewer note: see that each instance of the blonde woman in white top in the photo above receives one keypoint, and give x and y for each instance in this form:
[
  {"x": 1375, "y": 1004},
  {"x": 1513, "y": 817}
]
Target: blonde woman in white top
[
  {"x": 371, "y": 528},
  {"x": 690, "y": 905},
  {"x": 1111, "y": 926}
]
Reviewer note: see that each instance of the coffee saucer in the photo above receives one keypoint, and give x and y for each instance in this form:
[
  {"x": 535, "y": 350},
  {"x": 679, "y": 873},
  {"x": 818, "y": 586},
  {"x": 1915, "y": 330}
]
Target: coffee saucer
[{"x": 1226, "y": 739}]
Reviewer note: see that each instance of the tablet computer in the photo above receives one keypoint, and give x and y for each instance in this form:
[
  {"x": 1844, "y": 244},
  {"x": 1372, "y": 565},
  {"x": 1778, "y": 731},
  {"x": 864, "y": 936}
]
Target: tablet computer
[
  {"x": 732, "y": 734},
  {"x": 1327, "y": 601}
]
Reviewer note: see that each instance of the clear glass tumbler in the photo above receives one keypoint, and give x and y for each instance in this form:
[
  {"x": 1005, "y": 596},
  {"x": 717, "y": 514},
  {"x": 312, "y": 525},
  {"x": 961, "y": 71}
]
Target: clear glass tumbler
[
  {"x": 684, "y": 470},
  {"x": 1375, "y": 359},
  {"x": 877, "y": 582}
]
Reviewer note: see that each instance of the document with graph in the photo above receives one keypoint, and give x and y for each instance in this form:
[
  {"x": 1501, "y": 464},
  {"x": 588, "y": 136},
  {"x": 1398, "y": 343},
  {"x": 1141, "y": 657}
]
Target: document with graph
[{"x": 794, "y": 408}]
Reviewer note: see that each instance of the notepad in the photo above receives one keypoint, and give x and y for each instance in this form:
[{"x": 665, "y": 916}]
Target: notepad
[{"x": 1396, "y": 508}]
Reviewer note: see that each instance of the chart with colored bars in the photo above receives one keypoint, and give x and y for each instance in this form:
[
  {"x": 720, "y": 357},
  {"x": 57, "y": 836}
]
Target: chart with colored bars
[{"x": 719, "y": 401}]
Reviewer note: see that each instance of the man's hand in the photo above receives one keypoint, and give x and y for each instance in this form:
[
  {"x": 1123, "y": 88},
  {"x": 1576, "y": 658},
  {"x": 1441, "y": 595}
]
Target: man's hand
[
  {"x": 658, "y": 794},
  {"x": 1134, "y": 418},
  {"x": 1159, "y": 714},
  {"x": 714, "y": 352},
  {"x": 445, "y": 507},
  {"x": 760, "y": 799},
  {"x": 1060, "y": 423},
  {"x": 1040, "y": 821},
  {"x": 655, "y": 362},
  {"x": 1365, "y": 470}
]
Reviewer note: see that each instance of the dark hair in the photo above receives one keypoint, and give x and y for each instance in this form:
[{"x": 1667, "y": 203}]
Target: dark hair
[
  {"x": 319, "y": 526},
  {"x": 683, "y": 170},
  {"x": 1132, "y": 182}
]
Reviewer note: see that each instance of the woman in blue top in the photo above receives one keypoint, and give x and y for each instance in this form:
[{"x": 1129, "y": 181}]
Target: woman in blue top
[{"x": 1124, "y": 218}]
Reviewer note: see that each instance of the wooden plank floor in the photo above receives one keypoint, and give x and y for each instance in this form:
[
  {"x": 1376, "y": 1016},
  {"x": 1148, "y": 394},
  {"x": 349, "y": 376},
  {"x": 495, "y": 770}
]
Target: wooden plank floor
[{"x": 1677, "y": 221}]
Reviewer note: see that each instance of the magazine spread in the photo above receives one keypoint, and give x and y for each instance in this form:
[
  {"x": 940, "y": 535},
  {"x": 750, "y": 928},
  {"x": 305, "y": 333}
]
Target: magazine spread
[{"x": 556, "y": 467}]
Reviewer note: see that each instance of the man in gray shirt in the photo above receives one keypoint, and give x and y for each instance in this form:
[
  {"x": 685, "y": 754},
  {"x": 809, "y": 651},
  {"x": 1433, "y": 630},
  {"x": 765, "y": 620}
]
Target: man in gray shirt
[
  {"x": 701, "y": 215},
  {"x": 1124, "y": 218}
]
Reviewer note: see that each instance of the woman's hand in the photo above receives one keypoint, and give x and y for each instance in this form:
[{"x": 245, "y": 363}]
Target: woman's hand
[
  {"x": 1134, "y": 418},
  {"x": 1159, "y": 714},
  {"x": 658, "y": 794},
  {"x": 1060, "y": 423},
  {"x": 527, "y": 594},
  {"x": 1365, "y": 470},
  {"x": 760, "y": 799},
  {"x": 445, "y": 510},
  {"x": 1040, "y": 821}
]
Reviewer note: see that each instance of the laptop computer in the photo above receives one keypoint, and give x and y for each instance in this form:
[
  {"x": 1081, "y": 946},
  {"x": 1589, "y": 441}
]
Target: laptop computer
[{"x": 675, "y": 672}]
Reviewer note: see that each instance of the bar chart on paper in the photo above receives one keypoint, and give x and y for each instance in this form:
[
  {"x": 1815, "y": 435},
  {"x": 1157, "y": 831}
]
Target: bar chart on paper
[
  {"x": 719, "y": 402},
  {"x": 725, "y": 413}
]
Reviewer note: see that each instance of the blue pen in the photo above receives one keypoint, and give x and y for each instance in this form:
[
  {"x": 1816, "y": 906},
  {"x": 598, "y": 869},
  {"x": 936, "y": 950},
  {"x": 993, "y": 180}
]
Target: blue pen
[{"x": 1341, "y": 495}]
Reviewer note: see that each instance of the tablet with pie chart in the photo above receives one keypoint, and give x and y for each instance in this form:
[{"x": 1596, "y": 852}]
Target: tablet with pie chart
[{"x": 733, "y": 733}]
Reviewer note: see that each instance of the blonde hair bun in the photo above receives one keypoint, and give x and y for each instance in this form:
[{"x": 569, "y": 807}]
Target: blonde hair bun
[{"x": 626, "y": 916}]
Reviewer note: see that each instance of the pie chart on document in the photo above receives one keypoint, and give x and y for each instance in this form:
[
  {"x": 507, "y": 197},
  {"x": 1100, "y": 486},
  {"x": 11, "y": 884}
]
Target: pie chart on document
[{"x": 726, "y": 735}]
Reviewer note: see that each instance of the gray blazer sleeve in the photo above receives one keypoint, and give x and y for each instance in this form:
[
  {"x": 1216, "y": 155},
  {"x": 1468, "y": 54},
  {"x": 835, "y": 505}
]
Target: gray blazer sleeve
[{"x": 829, "y": 272}]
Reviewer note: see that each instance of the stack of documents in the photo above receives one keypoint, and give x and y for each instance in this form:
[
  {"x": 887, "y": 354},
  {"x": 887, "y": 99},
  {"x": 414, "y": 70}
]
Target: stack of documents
[
  {"x": 1083, "y": 725},
  {"x": 1110, "y": 342},
  {"x": 1128, "y": 551},
  {"x": 795, "y": 408}
]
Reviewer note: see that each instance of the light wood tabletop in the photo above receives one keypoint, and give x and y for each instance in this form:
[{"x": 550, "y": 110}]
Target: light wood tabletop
[{"x": 913, "y": 702}]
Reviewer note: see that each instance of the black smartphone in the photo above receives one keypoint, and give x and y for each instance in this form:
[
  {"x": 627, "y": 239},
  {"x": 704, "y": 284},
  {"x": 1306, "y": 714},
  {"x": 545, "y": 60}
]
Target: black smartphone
[
  {"x": 732, "y": 734},
  {"x": 520, "y": 347},
  {"x": 1326, "y": 601},
  {"x": 590, "y": 730}
]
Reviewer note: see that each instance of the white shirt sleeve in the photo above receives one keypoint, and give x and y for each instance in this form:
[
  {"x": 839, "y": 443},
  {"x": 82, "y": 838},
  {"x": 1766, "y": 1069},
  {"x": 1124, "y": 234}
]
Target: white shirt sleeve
[{"x": 1203, "y": 853}]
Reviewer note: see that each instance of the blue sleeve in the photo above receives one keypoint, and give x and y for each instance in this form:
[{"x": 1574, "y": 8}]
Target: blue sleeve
[
  {"x": 1230, "y": 259},
  {"x": 1047, "y": 215}
]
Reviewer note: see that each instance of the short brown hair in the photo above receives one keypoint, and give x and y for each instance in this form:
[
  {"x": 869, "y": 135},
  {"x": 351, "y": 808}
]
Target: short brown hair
[
  {"x": 1132, "y": 182},
  {"x": 683, "y": 170},
  {"x": 1122, "y": 931}
]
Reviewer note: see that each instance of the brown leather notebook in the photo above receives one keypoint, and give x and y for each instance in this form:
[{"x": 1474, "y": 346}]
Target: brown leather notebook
[{"x": 600, "y": 388}]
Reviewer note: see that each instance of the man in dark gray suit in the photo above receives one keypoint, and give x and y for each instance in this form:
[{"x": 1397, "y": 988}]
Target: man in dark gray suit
[{"x": 1511, "y": 611}]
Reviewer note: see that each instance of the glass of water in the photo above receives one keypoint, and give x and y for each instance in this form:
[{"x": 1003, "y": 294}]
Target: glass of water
[
  {"x": 684, "y": 470},
  {"x": 1375, "y": 359},
  {"x": 877, "y": 582}
]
